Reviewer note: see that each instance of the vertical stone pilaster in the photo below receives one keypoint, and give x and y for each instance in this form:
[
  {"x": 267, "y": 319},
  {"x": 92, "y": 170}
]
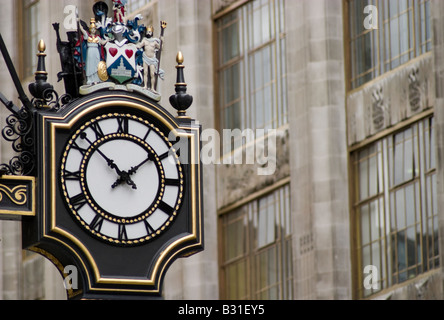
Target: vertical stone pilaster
[
  {"x": 316, "y": 100},
  {"x": 437, "y": 12},
  {"x": 189, "y": 30}
]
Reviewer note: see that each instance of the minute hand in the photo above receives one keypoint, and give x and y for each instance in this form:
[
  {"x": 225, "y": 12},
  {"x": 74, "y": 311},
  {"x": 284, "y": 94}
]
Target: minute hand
[
  {"x": 110, "y": 162},
  {"x": 134, "y": 169}
]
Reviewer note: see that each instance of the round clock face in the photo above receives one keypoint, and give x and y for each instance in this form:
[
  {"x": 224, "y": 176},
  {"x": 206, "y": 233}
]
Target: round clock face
[{"x": 121, "y": 179}]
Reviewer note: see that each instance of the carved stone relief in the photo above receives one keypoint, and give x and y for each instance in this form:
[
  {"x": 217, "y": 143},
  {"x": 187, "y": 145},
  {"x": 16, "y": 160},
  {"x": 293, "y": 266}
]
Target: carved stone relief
[
  {"x": 236, "y": 180},
  {"x": 414, "y": 90},
  {"x": 390, "y": 99},
  {"x": 378, "y": 108}
]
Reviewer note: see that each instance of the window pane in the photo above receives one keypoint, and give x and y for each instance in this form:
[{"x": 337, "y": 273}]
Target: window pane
[
  {"x": 401, "y": 236},
  {"x": 258, "y": 266},
  {"x": 392, "y": 43},
  {"x": 229, "y": 38},
  {"x": 252, "y": 37}
]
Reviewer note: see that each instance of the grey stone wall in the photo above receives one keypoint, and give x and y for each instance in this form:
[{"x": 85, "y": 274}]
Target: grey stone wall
[
  {"x": 189, "y": 31},
  {"x": 318, "y": 154},
  {"x": 437, "y": 11}
]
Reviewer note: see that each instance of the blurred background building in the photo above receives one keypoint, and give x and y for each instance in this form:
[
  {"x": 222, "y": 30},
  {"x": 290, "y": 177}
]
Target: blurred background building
[{"x": 352, "y": 91}]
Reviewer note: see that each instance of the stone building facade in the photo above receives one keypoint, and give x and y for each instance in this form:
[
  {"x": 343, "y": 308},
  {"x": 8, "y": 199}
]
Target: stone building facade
[{"x": 352, "y": 113}]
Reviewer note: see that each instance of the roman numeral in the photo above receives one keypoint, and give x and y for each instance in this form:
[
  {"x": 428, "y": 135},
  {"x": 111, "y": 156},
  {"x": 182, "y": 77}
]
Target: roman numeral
[
  {"x": 147, "y": 134},
  {"x": 148, "y": 227},
  {"x": 164, "y": 156},
  {"x": 123, "y": 125},
  {"x": 97, "y": 223},
  {"x": 166, "y": 208},
  {"x": 97, "y": 130},
  {"x": 172, "y": 182},
  {"x": 78, "y": 201},
  {"x": 123, "y": 236},
  {"x": 75, "y": 146},
  {"x": 74, "y": 176}
]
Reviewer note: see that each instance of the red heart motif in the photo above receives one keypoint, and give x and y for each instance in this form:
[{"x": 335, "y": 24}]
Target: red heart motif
[
  {"x": 129, "y": 53},
  {"x": 113, "y": 51}
]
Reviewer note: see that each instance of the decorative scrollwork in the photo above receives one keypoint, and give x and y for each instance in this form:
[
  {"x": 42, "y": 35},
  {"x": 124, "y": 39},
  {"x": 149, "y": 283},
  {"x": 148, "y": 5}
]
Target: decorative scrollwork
[
  {"x": 21, "y": 165},
  {"x": 52, "y": 100},
  {"x": 17, "y": 195},
  {"x": 18, "y": 130}
]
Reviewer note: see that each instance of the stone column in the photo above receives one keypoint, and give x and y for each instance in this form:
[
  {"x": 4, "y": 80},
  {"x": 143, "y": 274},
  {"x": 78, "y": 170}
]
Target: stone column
[
  {"x": 319, "y": 183},
  {"x": 189, "y": 30},
  {"x": 437, "y": 13}
]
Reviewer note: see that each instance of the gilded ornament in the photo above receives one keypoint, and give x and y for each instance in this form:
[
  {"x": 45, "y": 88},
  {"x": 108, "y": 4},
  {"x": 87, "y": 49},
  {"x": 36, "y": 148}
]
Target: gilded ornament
[{"x": 102, "y": 71}]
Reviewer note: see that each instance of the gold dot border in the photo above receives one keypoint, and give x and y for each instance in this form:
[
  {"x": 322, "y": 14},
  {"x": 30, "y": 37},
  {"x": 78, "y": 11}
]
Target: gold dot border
[{"x": 179, "y": 166}]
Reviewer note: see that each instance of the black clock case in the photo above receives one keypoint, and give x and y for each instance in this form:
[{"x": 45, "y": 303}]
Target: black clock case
[{"x": 105, "y": 270}]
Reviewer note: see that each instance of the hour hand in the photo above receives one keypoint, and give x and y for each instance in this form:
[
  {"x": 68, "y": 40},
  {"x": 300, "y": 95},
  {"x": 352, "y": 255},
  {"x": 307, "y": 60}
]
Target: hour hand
[{"x": 124, "y": 177}]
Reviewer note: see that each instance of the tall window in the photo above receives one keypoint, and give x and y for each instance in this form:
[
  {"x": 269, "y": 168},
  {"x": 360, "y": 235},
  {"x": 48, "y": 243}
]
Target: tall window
[
  {"x": 402, "y": 32},
  {"x": 251, "y": 66},
  {"x": 257, "y": 254},
  {"x": 134, "y": 5},
  {"x": 31, "y": 24},
  {"x": 396, "y": 207}
]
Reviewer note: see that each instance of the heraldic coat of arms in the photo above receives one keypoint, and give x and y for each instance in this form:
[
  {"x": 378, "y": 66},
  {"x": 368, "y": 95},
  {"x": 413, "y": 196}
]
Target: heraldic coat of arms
[{"x": 111, "y": 52}]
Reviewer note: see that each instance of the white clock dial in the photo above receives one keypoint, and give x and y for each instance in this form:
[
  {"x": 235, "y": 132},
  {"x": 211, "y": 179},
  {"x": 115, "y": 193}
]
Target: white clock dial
[{"x": 121, "y": 179}]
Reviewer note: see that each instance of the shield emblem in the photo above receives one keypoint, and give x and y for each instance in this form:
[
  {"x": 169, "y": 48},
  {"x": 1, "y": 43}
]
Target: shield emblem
[{"x": 121, "y": 61}]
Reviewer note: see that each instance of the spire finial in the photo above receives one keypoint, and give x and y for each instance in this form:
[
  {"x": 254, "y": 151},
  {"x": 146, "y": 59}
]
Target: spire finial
[
  {"x": 179, "y": 58},
  {"x": 181, "y": 101},
  {"x": 42, "y": 46},
  {"x": 40, "y": 85}
]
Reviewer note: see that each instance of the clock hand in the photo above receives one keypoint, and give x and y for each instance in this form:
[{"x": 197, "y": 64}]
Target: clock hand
[
  {"x": 124, "y": 177},
  {"x": 110, "y": 162},
  {"x": 134, "y": 169}
]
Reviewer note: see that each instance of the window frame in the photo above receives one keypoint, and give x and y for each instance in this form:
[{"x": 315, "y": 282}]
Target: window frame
[
  {"x": 423, "y": 179},
  {"x": 246, "y": 212},
  {"x": 277, "y": 45},
  {"x": 418, "y": 10}
]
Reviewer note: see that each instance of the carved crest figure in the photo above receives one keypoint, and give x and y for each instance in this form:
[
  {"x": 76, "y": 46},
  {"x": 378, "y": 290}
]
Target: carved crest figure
[
  {"x": 151, "y": 46},
  {"x": 94, "y": 45},
  {"x": 120, "y": 11},
  {"x": 118, "y": 51},
  {"x": 121, "y": 57}
]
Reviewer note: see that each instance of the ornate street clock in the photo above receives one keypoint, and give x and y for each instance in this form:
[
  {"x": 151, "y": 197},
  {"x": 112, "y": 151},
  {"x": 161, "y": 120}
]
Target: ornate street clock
[
  {"x": 118, "y": 198},
  {"x": 113, "y": 178}
]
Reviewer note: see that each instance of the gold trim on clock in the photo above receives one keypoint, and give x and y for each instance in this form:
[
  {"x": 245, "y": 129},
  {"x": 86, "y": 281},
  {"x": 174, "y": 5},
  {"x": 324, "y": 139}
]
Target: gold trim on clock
[
  {"x": 156, "y": 202},
  {"x": 169, "y": 253},
  {"x": 19, "y": 195}
]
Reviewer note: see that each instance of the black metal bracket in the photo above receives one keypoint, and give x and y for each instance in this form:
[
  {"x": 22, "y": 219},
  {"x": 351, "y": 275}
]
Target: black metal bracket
[{"x": 19, "y": 128}]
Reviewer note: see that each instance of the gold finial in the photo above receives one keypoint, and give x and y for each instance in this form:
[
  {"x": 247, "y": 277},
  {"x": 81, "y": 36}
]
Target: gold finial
[
  {"x": 42, "y": 46},
  {"x": 179, "y": 58}
]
